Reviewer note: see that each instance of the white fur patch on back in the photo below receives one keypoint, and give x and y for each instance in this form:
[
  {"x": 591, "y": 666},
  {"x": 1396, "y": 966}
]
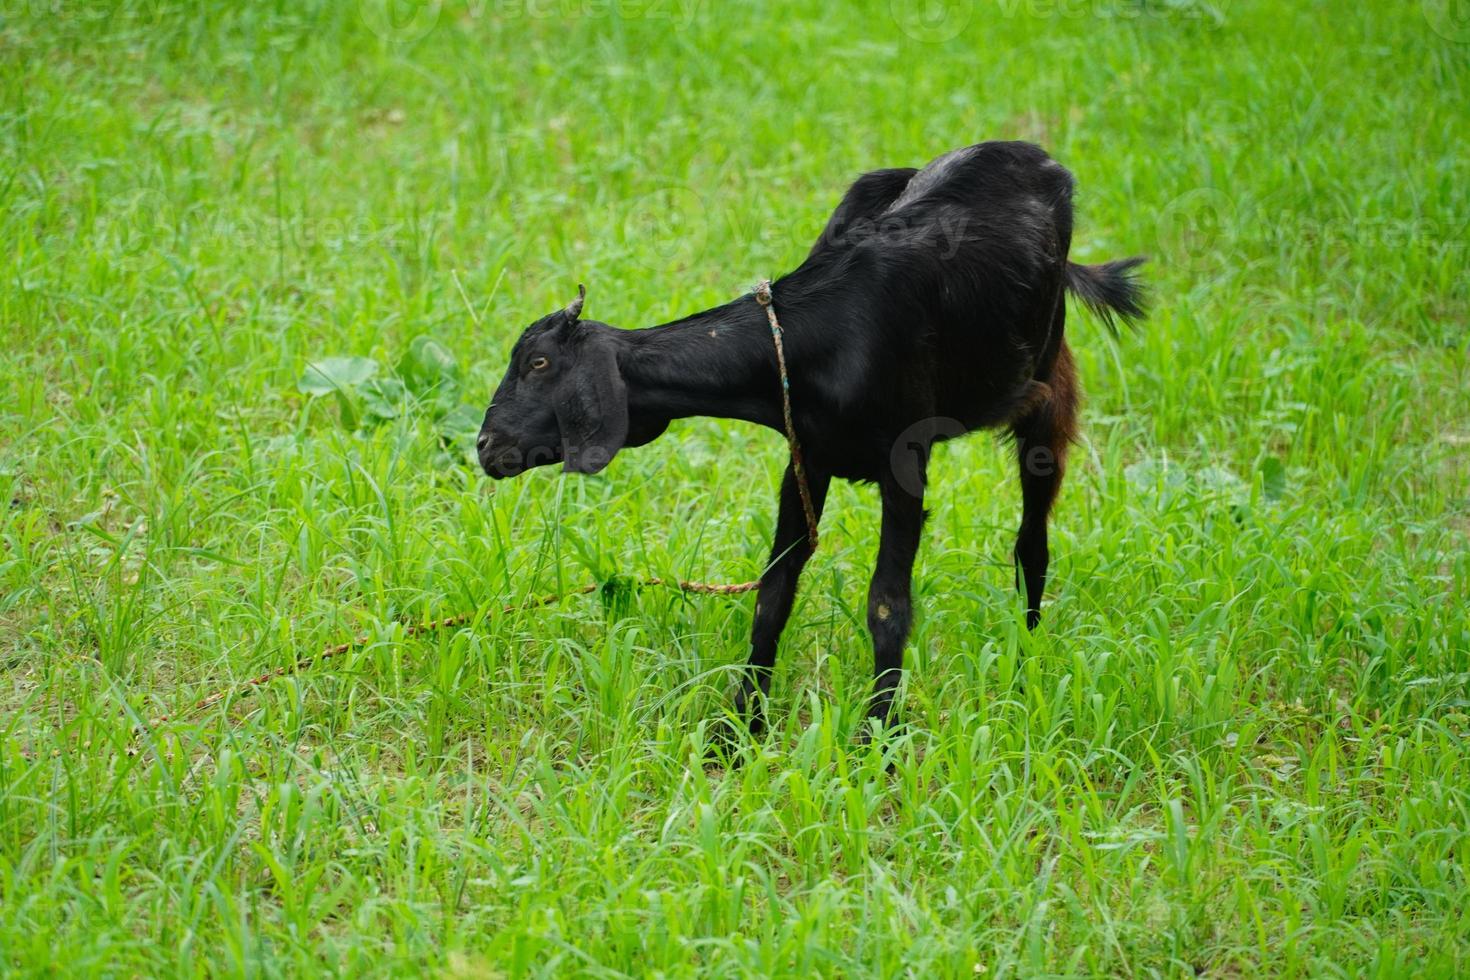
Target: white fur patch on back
[{"x": 937, "y": 172}]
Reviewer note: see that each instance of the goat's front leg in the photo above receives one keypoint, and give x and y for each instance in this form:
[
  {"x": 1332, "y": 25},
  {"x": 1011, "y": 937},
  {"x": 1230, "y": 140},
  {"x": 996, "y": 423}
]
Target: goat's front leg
[
  {"x": 890, "y": 602},
  {"x": 789, "y": 553}
]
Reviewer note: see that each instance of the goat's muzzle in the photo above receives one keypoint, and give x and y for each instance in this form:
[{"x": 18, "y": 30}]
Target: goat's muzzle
[
  {"x": 498, "y": 459},
  {"x": 502, "y": 458}
]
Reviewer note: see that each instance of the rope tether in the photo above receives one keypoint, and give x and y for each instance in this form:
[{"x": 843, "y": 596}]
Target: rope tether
[
  {"x": 763, "y": 297},
  {"x": 798, "y": 466},
  {"x": 449, "y": 622}
]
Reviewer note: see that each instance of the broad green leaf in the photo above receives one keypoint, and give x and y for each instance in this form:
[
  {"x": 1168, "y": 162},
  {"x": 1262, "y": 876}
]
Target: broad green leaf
[
  {"x": 383, "y": 398},
  {"x": 461, "y": 424},
  {"x": 336, "y": 374},
  {"x": 428, "y": 367}
]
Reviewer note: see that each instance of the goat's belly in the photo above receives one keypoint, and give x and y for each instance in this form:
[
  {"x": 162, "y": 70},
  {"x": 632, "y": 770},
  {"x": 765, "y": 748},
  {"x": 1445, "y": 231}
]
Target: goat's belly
[{"x": 983, "y": 400}]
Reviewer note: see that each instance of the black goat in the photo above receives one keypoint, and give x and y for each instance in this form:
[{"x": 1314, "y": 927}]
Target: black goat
[{"x": 931, "y": 305}]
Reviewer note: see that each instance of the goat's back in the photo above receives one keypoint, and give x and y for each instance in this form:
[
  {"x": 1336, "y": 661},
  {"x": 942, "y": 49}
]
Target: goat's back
[
  {"x": 972, "y": 228},
  {"x": 938, "y": 291},
  {"x": 983, "y": 216}
]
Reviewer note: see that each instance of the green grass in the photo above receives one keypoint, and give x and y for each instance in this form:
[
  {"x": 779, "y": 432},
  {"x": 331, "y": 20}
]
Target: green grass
[{"x": 1237, "y": 745}]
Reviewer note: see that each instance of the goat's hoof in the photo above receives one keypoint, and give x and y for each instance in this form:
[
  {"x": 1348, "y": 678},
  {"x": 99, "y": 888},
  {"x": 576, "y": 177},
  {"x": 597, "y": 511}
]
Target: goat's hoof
[
  {"x": 724, "y": 742},
  {"x": 874, "y": 728}
]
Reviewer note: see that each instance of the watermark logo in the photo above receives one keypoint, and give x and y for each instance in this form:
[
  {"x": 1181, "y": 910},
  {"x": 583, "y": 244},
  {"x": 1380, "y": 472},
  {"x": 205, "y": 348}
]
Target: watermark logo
[
  {"x": 942, "y": 234},
  {"x": 937, "y": 21},
  {"x": 1205, "y": 226},
  {"x": 400, "y": 21},
  {"x": 1210, "y": 14},
  {"x": 1450, "y": 19},
  {"x": 664, "y": 224},
  {"x": 138, "y": 219},
  {"x": 1198, "y": 221},
  {"x": 932, "y": 21},
  {"x": 908, "y": 458}
]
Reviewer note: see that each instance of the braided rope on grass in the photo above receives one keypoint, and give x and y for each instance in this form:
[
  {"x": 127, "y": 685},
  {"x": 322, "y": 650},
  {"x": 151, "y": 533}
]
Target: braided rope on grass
[{"x": 448, "y": 622}]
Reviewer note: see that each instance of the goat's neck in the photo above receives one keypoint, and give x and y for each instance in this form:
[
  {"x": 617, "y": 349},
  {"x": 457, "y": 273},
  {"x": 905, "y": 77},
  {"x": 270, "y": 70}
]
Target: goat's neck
[{"x": 719, "y": 363}]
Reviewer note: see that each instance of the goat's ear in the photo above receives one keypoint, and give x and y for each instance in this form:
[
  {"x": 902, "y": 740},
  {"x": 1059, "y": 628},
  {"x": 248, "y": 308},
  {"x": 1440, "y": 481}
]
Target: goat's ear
[
  {"x": 574, "y": 308},
  {"x": 591, "y": 404}
]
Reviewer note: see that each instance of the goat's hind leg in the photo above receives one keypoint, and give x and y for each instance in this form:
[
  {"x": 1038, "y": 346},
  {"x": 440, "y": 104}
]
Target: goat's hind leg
[
  {"x": 890, "y": 598},
  {"x": 1043, "y": 435}
]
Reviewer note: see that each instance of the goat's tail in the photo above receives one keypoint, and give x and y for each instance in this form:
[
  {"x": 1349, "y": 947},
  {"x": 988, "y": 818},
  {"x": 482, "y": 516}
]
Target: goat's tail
[{"x": 1110, "y": 290}]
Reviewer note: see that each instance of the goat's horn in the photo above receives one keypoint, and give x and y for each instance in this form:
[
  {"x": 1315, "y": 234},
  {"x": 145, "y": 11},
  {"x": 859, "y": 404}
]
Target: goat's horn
[{"x": 574, "y": 308}]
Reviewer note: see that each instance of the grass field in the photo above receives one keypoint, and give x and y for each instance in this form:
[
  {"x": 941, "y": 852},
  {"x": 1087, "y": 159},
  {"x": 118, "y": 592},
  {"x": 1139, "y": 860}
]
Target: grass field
[{"x": 1239, "y": 744}]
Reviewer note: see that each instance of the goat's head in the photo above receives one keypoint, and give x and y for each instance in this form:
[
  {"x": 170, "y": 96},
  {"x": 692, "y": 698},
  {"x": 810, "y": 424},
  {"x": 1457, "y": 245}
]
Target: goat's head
[{"x": 562, "y": 399}]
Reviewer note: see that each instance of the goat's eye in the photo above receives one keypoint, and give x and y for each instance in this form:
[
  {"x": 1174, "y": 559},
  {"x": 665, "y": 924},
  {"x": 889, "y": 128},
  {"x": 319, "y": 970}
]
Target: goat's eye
[{"x": 539, "y": 363}]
